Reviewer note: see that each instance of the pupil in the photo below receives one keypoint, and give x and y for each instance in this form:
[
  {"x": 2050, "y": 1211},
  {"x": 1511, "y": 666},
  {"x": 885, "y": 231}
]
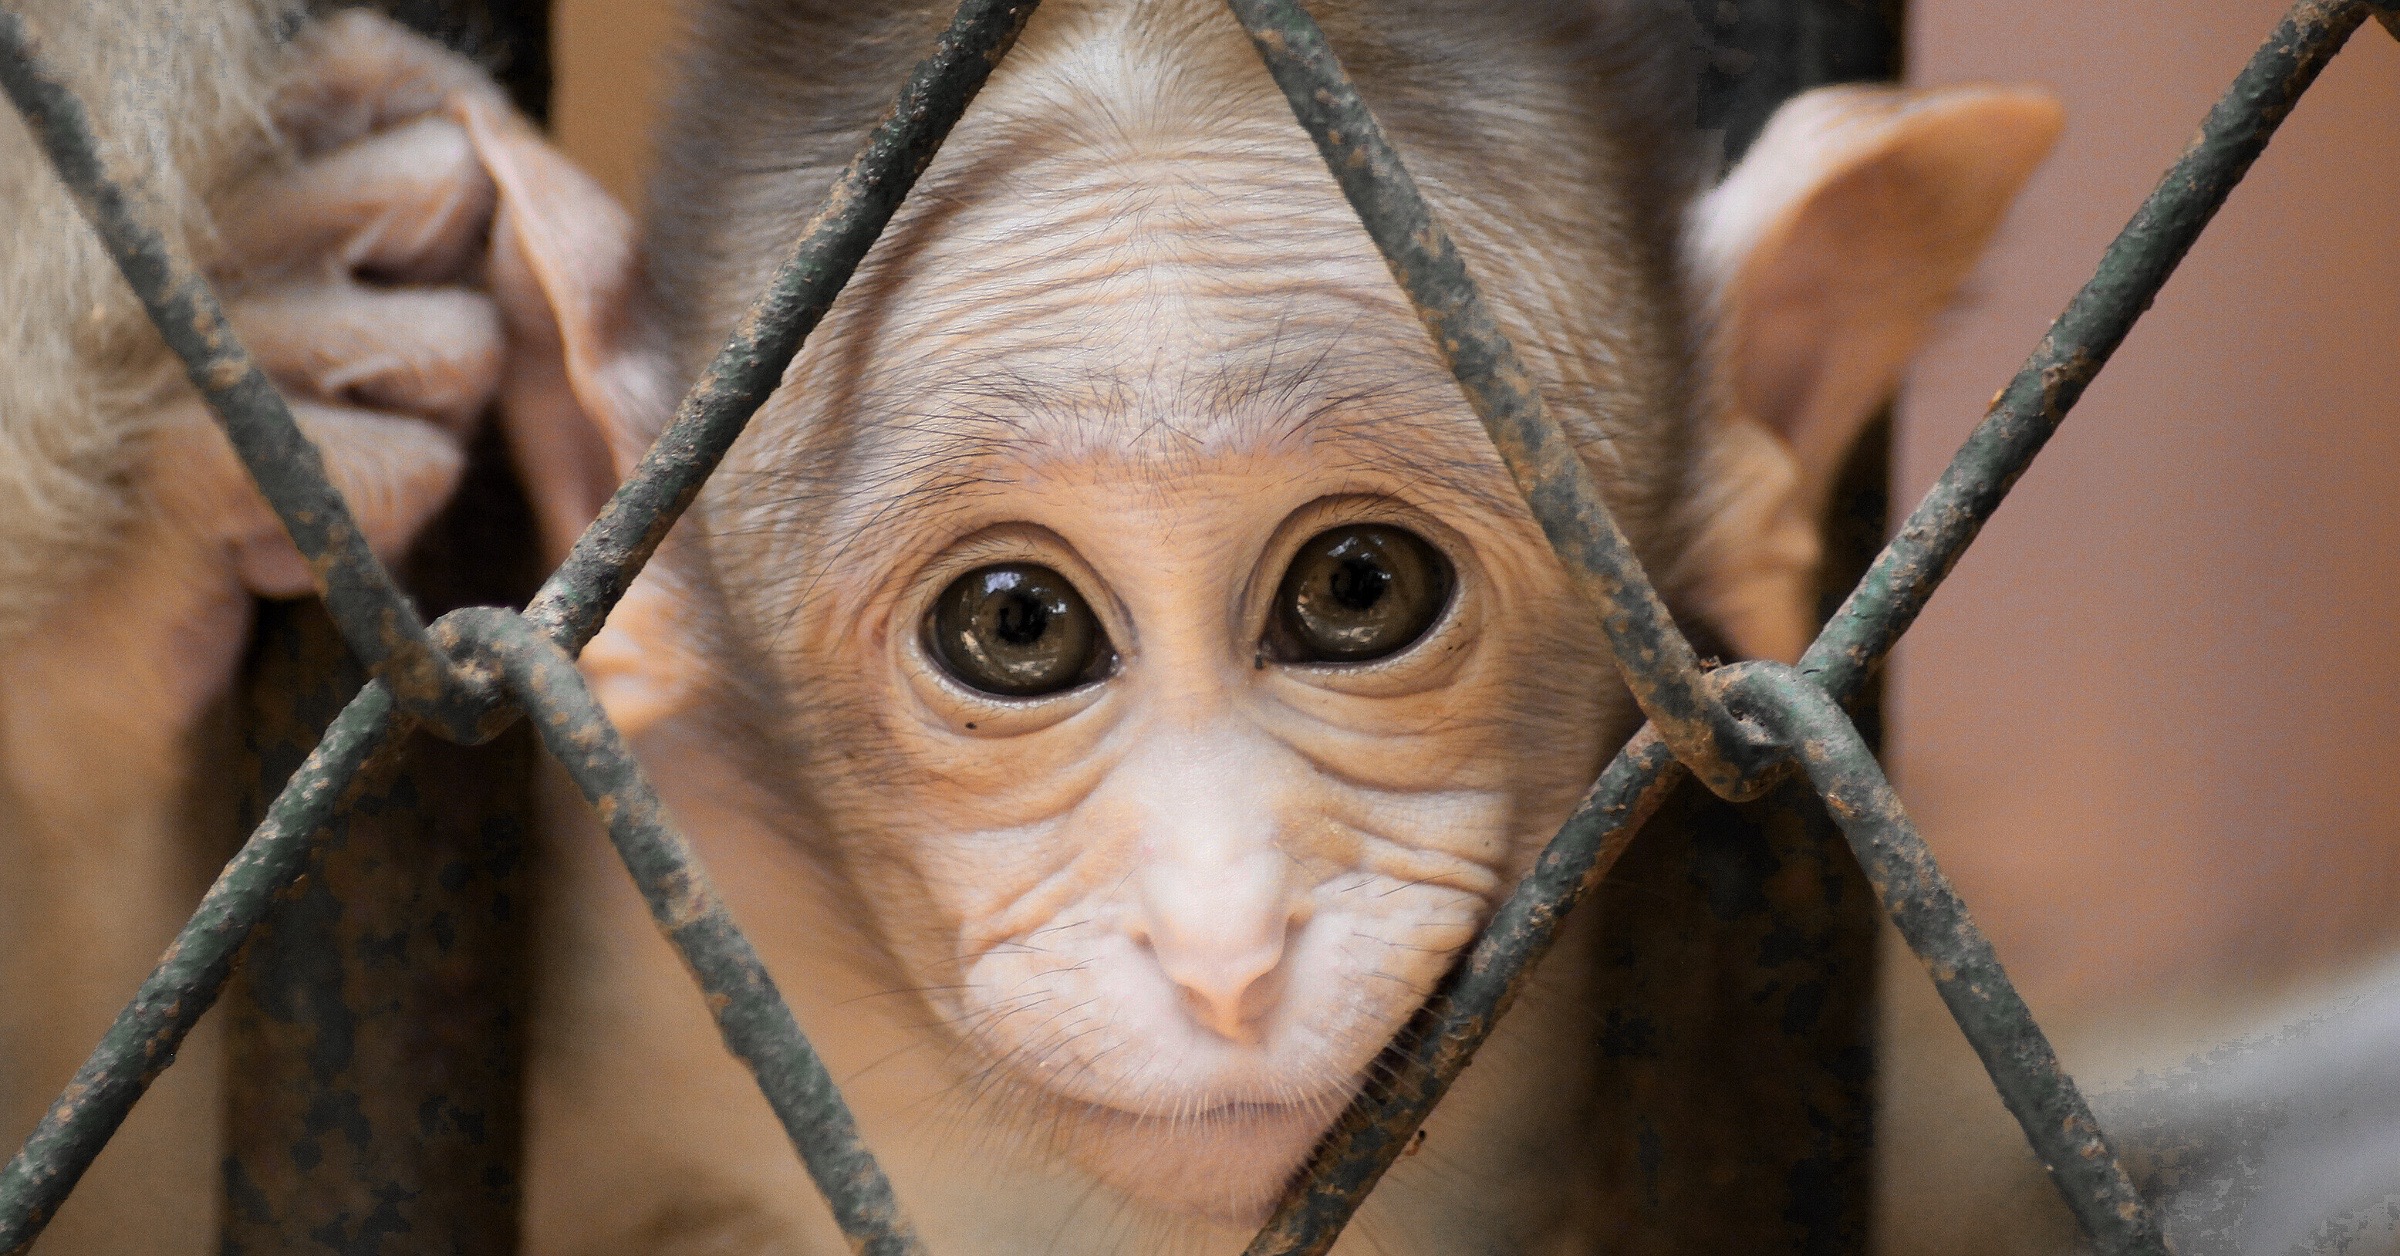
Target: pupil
[
  {"x": 1022, "y": 619},
  {"x": 1358, "y": 584}
]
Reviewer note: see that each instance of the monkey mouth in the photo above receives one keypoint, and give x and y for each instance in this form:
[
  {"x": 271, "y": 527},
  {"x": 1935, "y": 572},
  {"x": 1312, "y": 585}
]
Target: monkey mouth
[
  {"x": 1229, "y": 1113},
  {"x": 1226, "y": 1161},
  {"x": 1232, "y": 1107}
]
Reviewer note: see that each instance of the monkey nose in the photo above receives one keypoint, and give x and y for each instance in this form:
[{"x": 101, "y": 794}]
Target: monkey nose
[
  {"x": 1220, "y": 937},
  {"x": 1228, "y": 993}
]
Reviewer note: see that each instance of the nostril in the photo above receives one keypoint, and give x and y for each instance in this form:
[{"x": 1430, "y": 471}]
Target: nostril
[
  {"x": 1236, "y": 1011},
  {"x": 1228, "y": 992},
  {"x": 1220, "y": 930}
]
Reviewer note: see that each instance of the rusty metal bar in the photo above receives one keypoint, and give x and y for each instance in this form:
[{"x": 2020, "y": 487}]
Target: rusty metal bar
[
  {"x": 1438, "y": 1046},
  {"x": 1658, "y": 664},
  {"x": 375, "y": 618},
  {"x": 144, "y": 1039},
  {"x": 1956, "y": 954},
  {"x": 1762, "y": 52},
  {"x": 1735, "y": 946},
  {"x": 756, "y": 1023},
  {"x": 389, "y": 984}
]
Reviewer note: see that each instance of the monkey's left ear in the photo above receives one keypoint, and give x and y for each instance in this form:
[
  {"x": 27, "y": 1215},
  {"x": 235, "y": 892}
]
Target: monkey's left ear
[
  {"x": 1826, "y": 256},
  {"x": 587, "y": 385}
]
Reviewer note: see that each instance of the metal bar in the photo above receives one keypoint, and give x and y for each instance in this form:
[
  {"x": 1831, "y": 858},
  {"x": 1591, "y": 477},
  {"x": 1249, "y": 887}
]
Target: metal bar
[
  {"x": 2079, "y": 343},
  {"x": 143, "y": 1040},
  {"x": 1960, "y": 959},
  {"x": 1424, "y": 1062},
  {"x": 1730, "y": 1014},
  {"x": 750, "y": 1012},
  {"x": 1762, "y": 52},
  {"x": 603, "y": 563},
  {"x": 510, "y": 38},
  {"x": 389, "y": 983},
  {"x": 375, "y": 618},
  {"x": 1734, "y": 947},
  {"x": 1658, "y": 664}
]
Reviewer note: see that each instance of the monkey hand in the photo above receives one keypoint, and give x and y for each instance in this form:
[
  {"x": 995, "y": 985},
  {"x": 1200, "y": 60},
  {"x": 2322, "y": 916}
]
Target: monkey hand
[{"x": 351, "y": 268}]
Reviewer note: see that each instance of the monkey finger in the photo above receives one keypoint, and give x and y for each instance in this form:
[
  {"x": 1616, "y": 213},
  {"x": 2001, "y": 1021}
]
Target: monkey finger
[
  {"x": 395, "y": 472},
  {"x": 432, "y": 353},
  {"x": 408, "y": 205},
  {"x": 360, "y": 72}
]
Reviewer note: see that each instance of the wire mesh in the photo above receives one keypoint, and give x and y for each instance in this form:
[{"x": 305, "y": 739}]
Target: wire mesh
[{"x": 1737, "y": 727}]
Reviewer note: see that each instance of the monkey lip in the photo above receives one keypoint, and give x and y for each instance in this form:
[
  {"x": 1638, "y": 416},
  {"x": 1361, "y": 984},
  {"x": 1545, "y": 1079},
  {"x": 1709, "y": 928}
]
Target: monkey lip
[
  {"x": 1321, "y": 1109},
  {"x": 1226, "y": 1160},
  {"x": 1223, "y": 1106}
]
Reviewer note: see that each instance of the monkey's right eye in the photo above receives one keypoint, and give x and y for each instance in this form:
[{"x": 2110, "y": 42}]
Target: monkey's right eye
[{"x": 1017, "y": 630}]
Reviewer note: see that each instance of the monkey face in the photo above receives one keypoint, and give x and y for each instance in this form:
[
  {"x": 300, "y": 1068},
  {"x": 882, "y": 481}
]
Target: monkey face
[
  {"x": 1179, "y": 894},
  {"x": 1169, "y": 658}
]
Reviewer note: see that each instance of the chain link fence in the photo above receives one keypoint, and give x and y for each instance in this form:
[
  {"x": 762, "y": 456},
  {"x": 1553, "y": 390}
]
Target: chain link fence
[{"x": 1739, "y": 729}]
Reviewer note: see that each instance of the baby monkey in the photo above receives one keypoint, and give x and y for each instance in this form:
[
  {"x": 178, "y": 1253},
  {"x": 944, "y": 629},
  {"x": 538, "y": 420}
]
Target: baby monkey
[{"x": 1114, "y": 675}]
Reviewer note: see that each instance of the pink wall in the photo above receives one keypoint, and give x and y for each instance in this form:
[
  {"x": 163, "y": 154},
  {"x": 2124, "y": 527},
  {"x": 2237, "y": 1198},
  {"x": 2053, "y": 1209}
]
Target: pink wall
[{"x": 2152, "y": 726}]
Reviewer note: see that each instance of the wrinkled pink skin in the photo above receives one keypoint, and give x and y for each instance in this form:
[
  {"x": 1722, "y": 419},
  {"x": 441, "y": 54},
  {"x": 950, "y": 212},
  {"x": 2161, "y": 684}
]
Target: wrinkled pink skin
[{"x": 1094, "y": 969}]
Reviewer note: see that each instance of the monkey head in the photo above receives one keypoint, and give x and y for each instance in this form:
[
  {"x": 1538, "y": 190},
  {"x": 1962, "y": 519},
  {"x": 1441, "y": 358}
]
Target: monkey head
[{"x": 1119, "y": 602}]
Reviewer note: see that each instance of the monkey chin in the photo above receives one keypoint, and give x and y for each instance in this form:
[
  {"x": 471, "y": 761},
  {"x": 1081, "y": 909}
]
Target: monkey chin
[{"x": 1227, "y": 1164}]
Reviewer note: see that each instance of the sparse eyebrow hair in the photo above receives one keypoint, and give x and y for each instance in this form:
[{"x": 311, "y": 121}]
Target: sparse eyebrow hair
[{"x": 931, "y": 442}]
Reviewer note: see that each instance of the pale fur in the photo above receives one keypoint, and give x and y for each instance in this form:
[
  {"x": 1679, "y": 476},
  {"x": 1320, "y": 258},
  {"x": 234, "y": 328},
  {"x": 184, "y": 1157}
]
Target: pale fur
[
  {"x": 178, "y": 90},
  {"x": 1128, "y": 280},
  {"x": 100, "y": 862}
]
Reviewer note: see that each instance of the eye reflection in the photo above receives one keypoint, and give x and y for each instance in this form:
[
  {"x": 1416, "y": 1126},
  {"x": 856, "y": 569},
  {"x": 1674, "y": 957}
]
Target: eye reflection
[
  {"x": 1018, "y": 630},
  {"x": 1357, "y": 593}
]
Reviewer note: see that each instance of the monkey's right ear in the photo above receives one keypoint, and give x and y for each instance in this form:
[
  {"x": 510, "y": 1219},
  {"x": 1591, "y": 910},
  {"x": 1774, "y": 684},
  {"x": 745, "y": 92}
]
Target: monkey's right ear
[
  {"x": 584, "y": 380},
  {"x": 588, "y": 384},
  {"x": 1825, "y": 257}
]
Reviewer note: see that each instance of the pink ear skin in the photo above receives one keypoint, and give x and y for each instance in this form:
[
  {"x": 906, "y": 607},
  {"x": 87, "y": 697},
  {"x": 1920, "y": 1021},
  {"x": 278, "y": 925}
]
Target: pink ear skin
[
  {"x": 1829, "y": 252},
  {"x": 586, "y": 384}
]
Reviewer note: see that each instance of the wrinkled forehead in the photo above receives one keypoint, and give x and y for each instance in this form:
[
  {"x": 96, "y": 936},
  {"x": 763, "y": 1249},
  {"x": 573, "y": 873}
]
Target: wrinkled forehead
[
  {"x": 1129, "y": 260},
  {"x": 1194, "y": 301}
]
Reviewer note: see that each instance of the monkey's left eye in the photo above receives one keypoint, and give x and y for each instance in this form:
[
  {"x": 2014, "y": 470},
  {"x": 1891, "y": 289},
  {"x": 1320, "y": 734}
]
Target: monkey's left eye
[
  {"x": 1018, "y": 630},
  {"x": 1358, "y": 593}
]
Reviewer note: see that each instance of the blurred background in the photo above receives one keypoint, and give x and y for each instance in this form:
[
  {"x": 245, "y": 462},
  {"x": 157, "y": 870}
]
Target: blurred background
[{"x": 2152, "y": 725}]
